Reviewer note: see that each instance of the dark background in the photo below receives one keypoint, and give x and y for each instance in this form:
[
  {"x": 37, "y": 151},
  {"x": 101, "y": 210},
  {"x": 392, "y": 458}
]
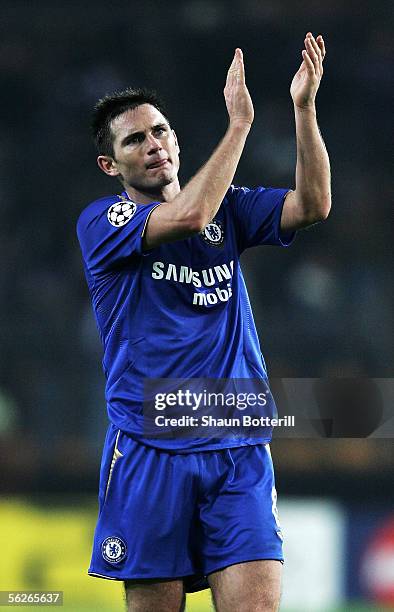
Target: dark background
[{"x": 323, "y": 307}]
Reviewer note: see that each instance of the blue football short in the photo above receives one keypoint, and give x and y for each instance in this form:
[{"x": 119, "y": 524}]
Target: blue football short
[{"x": 171, "y": 515}]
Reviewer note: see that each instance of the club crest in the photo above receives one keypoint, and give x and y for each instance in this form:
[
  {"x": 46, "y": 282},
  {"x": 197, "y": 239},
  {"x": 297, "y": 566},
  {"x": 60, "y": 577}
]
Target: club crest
[
  {"x": 213, "y": 233},
  {"x": 113, "y": 549}
]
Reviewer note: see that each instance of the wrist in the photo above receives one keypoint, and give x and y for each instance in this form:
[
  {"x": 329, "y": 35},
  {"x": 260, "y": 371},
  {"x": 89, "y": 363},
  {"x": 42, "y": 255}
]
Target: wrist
[{"x": 306, "y": 109}]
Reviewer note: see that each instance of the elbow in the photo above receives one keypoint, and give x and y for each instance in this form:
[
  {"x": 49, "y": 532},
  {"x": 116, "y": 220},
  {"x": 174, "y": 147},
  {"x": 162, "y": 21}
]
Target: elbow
[
  {"x": 193, "y": 216},
  {"x": 191, "y": 224},
  {"x": 325, "y": 208},
  {"x": 197, "y": 225},
  {"x": 188, "y": 221},
  {"x": 320, "y": 212},
  {"x": 323, "y": 213}
]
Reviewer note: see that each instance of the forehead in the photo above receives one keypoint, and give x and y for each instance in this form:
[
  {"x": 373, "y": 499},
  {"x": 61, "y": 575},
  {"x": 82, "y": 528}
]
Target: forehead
[{"x": 138, "y": 119}]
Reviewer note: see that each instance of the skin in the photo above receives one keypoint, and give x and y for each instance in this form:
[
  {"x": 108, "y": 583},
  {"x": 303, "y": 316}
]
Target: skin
[
  {"x": 310, "y": 202},
  {"x": 252, "y": 585},
  {"x": 141, "y": 137},
  {"x": 187, "y": 211},
  {"x": 244, "y": 587}
]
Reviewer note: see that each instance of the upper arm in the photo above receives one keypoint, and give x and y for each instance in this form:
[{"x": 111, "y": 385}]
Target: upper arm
[
  {"x": 167, "y": 223},
  {"x": 291, "y": 218},
  {"x": 111, "y": 233},
  {"x": 257, "y": 215},
  {"x": 294, "y": 215}
]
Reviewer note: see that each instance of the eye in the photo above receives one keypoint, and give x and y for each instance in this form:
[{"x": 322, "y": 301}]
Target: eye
[
  {"x": 160, "y": 130},
  {"x": 135, "y": 139}
]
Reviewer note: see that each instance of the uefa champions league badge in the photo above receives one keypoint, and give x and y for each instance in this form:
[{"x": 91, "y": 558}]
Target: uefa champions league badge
[
  {"x": 113, "y": 549},
  {"x": 120, "y": 213},
  {"x": 213, "y": 233}
]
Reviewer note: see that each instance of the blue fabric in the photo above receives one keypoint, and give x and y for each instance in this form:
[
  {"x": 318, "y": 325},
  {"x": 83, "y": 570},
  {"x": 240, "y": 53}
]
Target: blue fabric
[
  {"x": 180, "y": 310},
  {"x": 170, "y": 515}
]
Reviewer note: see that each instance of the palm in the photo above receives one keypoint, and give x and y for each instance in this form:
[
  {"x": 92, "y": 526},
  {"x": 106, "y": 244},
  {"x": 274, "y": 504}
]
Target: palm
[
  {"x": 238, "y": 101},
  {"x": 302, "y": 86}
]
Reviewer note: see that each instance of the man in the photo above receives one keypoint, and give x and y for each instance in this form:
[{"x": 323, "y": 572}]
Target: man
[{"x": 162, "y": 266}]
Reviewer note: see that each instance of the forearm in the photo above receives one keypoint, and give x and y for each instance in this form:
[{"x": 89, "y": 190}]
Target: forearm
[
  {"x": 313, "y": 179},
  {"x": 200, "y": 199},
  {"x": 190, "y": 210}
]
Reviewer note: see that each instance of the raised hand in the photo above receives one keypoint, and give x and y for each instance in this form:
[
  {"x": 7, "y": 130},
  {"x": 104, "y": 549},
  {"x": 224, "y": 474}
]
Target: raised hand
[
  {"x": 238, "y": 101},
  {"x": 307, "y": 79}
]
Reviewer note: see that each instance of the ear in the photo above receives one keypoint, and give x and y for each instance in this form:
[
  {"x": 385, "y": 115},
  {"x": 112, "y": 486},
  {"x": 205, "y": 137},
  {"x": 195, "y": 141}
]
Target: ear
[
  {"x": 176, "y": 141},
  {"x": 108, "y": 165}
]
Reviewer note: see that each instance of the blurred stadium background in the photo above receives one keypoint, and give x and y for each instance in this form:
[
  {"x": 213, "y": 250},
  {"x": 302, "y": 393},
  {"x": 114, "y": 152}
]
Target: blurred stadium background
[{"x": 323, "y": 307}]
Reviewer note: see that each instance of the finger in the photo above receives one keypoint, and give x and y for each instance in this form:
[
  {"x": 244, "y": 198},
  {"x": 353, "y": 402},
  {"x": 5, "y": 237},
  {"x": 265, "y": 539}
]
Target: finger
[
  {"x": 236, "y": 71},
  {"x": 231, "y": 67},
  {"x": 241, "y": 65},
  {"x": 312, "y": 47},
  {"x": 231, "y": 70},
  {"x": 320, "y": 42},
  {"x": 308, "y": 63},
  {"x": 318, "y": 53},
  {"x": 238, "y": 58},
  {"x": 312, "y": 53},
  {"x": 301, "y": 66}
]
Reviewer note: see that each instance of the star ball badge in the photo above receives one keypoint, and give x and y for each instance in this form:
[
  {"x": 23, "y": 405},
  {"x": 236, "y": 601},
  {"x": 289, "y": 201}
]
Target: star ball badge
[
  {"x": 213, "y": 233},
  {"x": 120, "y": 213}
]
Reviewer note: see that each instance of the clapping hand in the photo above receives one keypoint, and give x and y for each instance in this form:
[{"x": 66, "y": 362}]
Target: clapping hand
[
  {"x": 307, "y": 79},
  {"x": 238, "y": 101}
]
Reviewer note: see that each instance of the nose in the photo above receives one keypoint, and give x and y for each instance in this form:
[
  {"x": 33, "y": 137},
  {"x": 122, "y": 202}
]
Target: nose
[{"x": 153, "y": 144}]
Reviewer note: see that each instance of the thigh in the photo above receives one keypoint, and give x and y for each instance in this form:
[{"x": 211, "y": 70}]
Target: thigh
[
  {"x": 157, "y": 595},
  {"x": 254, "y": 585}
]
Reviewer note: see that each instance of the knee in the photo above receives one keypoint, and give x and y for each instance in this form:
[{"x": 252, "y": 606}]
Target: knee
[
  {"x": 261, "y": 604},
  {"x": 258, "y": 599},
  {"x": 264, "y": 603},
  {"x": 269, "y": 603}
]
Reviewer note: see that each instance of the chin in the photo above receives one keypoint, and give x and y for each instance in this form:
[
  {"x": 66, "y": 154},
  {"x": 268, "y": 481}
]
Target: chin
[
  {"x": 155, "y": 185},
  {"x": 162, "y": 181}
]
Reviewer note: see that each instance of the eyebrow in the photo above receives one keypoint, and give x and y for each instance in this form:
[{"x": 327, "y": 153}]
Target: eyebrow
[{"x": 154, "y": 127}]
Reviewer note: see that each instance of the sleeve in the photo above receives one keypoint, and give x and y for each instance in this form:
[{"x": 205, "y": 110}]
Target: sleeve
[
  {"x": 257, "y": 215},
  {"x": 109, "y": 235}
]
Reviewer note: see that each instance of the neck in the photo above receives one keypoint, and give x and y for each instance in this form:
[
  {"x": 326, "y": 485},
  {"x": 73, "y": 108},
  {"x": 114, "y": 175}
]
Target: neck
[{"x": 166, "y": 194}]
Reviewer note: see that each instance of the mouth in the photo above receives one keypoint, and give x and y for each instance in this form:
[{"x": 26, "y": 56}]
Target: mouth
[{"x": 158, "y": 164}]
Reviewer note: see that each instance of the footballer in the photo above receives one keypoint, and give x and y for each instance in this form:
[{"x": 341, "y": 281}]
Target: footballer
[{"x": 179, "y": 514}]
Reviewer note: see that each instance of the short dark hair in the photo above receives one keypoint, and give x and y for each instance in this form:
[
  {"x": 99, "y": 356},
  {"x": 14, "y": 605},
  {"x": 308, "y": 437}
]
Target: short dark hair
[{"x": 113, "y": 105}]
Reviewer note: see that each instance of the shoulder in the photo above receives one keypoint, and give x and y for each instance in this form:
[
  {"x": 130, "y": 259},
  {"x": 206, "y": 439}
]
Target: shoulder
[
  {"x": 94, "y": 210},
  {"x": 237, "y": 193},
  {"x": 234, "y": 191},
  {"x": 234, "y": 196},
  {"x": 255, "y": 195},
  {"x": 238, "y": 197}
]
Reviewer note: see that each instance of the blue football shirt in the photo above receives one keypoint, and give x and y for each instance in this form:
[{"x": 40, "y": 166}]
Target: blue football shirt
[{"x": 180, "y": 310}]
